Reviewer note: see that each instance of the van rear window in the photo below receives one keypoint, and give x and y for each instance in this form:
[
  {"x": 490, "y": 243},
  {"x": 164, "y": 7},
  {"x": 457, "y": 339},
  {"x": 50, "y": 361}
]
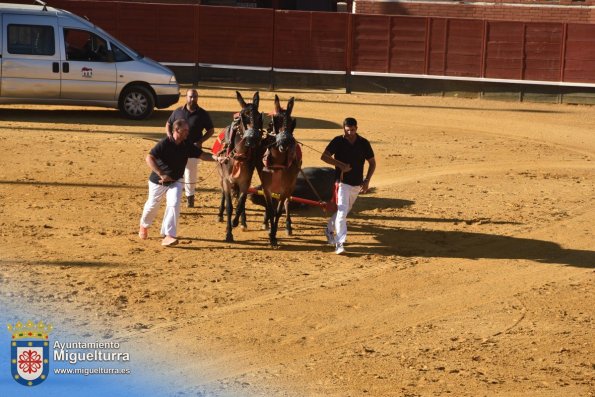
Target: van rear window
[{"x": 31, "y": 40}]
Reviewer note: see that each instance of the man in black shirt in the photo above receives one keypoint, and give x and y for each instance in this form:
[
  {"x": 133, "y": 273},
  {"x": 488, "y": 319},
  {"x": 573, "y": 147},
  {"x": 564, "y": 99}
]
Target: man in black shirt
[
  {"x": 167, "y": 161},
  {"x": 350, "y": 152},
  {"x": 198, "y": 120}
]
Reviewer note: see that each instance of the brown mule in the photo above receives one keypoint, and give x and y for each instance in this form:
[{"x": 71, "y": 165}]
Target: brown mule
[
  {"x": 280, "y": 166},
  {"x": 238, "y": 160}
]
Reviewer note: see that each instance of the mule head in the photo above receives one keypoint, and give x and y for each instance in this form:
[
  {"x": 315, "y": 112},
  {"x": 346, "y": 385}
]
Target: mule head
[
  {"x": 283, "y": 125},
  {"x": 251, "y": 120}
]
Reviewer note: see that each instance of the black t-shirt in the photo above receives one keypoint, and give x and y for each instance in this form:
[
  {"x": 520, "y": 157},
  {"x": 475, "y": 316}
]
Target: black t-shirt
[
  {"x": 198, "y": 121},
  {"x": 172, "y": 158},
  {"x": 354, "y": 155}
]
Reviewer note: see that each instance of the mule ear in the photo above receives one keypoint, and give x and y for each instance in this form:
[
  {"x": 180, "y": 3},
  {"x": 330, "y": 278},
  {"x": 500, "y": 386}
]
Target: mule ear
[
  {"x": 256, "y": 101},
  {"x": 273, "y": 126},
  {"x": 289, "y": 107},
  {"x": 277, "y": 105},
  {"x": 243, "y": 103}
]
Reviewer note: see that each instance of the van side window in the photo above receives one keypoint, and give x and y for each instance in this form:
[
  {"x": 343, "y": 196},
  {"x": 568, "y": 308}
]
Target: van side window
[
  {"x": 119, "y": 55},
  {"x": 82, "y": 45},
  {"x": 31, "y": 40}
]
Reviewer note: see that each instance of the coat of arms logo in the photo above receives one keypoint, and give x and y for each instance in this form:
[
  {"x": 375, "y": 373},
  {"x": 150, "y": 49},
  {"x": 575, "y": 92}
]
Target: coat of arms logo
[{"x": 29, "y": 352}]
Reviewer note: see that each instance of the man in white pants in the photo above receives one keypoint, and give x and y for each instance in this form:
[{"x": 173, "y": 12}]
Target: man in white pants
[
  {"x": 167, "y": 161},
  {"x": 198, "y": 120},
  {"x": 348, "y": 153}
]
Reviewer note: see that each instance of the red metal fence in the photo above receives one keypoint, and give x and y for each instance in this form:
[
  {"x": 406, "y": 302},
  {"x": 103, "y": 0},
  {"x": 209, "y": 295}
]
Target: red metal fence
[{"x": 349, "y": 43}]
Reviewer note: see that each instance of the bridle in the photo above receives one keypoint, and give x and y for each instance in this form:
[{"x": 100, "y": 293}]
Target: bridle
[
  {"x": 250, "y": 137},
  {"x": 281, "y": 139}
]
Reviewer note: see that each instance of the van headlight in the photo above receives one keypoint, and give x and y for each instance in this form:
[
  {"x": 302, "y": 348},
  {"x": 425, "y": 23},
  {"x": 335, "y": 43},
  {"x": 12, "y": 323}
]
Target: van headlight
[{"x": 173, "y": 80}]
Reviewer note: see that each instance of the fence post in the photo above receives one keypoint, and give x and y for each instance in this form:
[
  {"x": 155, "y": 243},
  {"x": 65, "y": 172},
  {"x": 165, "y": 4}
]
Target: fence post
[
  {"x": 444, "y": 56},
  {"x": 389, "y": 42},
  {"x": 523, "y": 62},
  {"x": 272, "y": 76},
  {"x": 484, "y": 49},
  {"x": 196, "y": 54},
  {"x": 428, "y": 38},
  {"x": 348, "y": 53},
  {"x": 563, "y": 50}
]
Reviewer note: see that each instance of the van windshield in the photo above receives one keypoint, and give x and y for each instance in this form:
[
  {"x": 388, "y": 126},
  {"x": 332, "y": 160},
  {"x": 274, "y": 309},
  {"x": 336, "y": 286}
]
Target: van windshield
[{"x": 121, "y": 45}]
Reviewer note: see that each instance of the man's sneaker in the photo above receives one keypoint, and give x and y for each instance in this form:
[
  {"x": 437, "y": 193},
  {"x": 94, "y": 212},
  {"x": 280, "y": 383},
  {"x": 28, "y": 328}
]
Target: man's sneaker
[
  {"x": 339, "y": 249},
  {"x": 330, "y": 237},
  {"x": 190, "y": 201},
  {"x": 169, "y": 241}
]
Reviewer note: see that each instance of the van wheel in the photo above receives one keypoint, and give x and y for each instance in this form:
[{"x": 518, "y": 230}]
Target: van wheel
[{"x": 137, "y": 102}]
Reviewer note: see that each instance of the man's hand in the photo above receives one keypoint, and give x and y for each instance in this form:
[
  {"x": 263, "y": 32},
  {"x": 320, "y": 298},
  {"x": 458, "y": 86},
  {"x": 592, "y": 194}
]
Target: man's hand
[
  {"x": 365, "y": 186},
  {"x": 165, "y": 179},
  {"x": 345, "y": 168},
  {"x": 204, "y": 156},
  {"x": 328, "y": 158}
]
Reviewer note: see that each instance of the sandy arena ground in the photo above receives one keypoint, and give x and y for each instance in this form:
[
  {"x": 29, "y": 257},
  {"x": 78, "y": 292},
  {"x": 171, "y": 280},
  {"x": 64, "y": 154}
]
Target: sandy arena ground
[{"x": 470, "y": 269}]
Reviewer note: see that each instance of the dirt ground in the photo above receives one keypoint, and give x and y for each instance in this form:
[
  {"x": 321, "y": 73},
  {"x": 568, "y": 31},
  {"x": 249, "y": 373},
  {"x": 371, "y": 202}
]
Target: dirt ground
[{"x": 470, "y": 266}]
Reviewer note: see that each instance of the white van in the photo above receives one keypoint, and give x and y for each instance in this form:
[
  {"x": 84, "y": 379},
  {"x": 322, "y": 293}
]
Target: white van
[{"x": 51, "y": 56}]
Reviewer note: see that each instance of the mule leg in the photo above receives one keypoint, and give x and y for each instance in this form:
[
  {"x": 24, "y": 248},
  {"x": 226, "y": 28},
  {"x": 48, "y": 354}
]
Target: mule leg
[
  {"x": 265, "y": 220},
  {"x": 221, "y": 207},
  {"x": 273, "y": 230},
  {"x": 241, "y": 211},
  {"x": 270, "y": 215},
  {"x": 275, "y": 222},
  {"x": 243, "y": 219},
  {"x": 229, "y": 210},
  {"x": 288, "y": 228}
]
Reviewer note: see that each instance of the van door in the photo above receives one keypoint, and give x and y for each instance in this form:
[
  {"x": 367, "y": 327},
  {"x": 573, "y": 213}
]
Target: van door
[
  {"x": 88, "y": 70},
  {"x": 30, "y": 57}
]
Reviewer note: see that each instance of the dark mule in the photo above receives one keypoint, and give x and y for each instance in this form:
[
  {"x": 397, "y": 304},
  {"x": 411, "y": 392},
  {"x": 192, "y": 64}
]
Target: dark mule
[
  {"x": 238, "y": 159},
  {"x": 280, "y": 166}
]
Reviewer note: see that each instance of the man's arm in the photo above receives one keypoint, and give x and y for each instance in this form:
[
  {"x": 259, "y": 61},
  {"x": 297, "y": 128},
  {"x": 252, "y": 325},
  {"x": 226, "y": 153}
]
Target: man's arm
[
  {"x": 169, "y": 130},
  {"x": 371, "y": 169},
  {"x": 169, "y": 125},
  {"x": 328, "y": 158},
  {"x": 152, "y": 163},
  {"x": 207, "y": 135},
  {"x": 204, "y": 155},
  {"x": 207, "y": 156}
]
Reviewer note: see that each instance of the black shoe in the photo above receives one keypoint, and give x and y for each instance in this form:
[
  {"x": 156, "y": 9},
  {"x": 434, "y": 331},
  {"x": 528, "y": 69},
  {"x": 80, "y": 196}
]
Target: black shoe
[{"x": 190, "y": 201}]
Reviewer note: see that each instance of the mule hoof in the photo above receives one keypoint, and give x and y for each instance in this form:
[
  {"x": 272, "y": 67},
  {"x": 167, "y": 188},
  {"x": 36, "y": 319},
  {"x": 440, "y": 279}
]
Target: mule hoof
[
  {"x": 229, "y": 238},
  {"x": 289, "y": 232},
  {"x": 220, "y": 218},
  {"x": 264, "y": 227},
  {"x": 244, "y": 228},
  {"x": 235, "y": 223}
]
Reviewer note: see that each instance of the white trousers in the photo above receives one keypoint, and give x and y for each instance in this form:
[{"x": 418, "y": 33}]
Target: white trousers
[
  {"x": 191, "y": 176},
  {"x": 173, "y": 196},
  {"x": 346, "y": 196}
]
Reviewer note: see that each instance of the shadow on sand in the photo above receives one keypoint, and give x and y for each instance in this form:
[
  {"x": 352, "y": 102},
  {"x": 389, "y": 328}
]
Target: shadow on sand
[
  {"x": 468, "y": 245},
  {"x": 391, "y": 241},
  {"x": 60, "y": 263},
  {"x": 100, "y": 116}
]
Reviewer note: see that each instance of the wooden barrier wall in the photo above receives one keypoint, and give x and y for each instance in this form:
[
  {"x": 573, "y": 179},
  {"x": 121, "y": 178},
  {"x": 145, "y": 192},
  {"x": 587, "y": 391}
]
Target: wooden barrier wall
[{"x": 342, "y": 42}]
